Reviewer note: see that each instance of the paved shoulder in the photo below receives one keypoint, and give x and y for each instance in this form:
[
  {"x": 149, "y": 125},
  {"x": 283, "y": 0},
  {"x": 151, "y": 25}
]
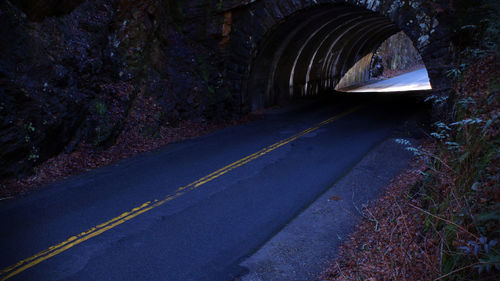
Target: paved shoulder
[
  {"x": 417, "y": 80},
  {"x": 302, "y": 249}
]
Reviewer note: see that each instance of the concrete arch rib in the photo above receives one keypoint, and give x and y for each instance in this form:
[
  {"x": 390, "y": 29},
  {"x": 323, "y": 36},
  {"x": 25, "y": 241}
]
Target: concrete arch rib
[
  {"x": 301, "y": 62},
  {"x": 289, "y": 57},
  {"x": 320, "y": 51},
  {"x": 276, "y": 50},
  {"x": 361, "y": 58},
  {"x": 301, "y": 48},
  {"x": 335, "y": 69},
  {"x": 329, "y": 53},
  {"x": 340, "y": 45},
  {"x": 377, "y": 34},
  {"x": 268, "y": 98}
]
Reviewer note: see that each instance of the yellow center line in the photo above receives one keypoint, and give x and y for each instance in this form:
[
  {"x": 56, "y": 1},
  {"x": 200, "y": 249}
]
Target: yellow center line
[{"x": 97, "y": 230}]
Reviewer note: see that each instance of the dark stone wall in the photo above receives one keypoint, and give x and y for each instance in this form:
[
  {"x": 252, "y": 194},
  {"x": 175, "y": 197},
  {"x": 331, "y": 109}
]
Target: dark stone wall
[
  {"x": 74, "y": 71},
  {"x": 37, "y": 10}
]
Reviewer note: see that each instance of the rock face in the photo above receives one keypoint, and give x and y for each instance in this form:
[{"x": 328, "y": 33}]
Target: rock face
[
  {"x": 398, "y": 52},
  {"x": 74, "y": 71},
  {"x": 37, "y": 10}
]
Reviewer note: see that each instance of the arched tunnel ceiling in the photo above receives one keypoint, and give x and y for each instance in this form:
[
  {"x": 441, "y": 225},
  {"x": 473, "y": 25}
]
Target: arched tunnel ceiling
[{"x": 311, "y": 50}]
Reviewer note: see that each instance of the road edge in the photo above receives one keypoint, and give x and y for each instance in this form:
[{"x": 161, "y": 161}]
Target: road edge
[{"x": 303, "y": 248}]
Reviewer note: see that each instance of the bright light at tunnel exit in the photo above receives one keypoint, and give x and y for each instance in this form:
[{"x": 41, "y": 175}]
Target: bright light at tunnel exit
[
  {"x": 396, "y": 54},
  {"x": 417, "y": 80}
]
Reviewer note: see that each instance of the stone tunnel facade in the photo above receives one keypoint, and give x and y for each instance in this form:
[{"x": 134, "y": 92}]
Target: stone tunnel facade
[
  {"x": 278, "y": 50},
  {"x": 120, "y": 72}
]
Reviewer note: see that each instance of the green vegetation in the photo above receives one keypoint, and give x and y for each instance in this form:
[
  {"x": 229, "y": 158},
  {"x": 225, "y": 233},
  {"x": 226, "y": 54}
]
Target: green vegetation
[
  {"x": 100, "y": 108},
  {"x": 30, "y": 130},
  {"x": 30, "y": 127},
  {"x": 460, "y": 187},
  {"x": 205, "y": 72},
  {"x": 477, "y": 29},
  {"x": 220, "y": 5},
  {"x": 33, "y": 155},
  {"x": 175, "y": 10}
]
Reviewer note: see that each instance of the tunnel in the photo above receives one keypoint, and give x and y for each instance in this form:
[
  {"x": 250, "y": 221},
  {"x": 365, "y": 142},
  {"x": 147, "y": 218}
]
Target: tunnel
[{"x": 289, "y": 51}]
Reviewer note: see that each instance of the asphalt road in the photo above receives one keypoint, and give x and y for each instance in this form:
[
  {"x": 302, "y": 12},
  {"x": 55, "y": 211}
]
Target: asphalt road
[
  {"x": 417, "y": 80},
  {"x": 203, "y": 231}
]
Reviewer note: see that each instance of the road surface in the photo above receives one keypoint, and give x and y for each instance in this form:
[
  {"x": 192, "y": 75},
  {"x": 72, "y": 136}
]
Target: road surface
[
  {"x": 417, "y": 80},
  {"x": 192, "y": 210}
]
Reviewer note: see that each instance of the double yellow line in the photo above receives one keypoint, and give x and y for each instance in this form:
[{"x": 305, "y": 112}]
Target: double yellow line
[{"x": 94, "y": 231}]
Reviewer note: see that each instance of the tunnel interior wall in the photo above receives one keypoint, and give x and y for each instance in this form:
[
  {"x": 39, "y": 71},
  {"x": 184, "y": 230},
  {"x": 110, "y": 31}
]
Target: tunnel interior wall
[{"x": 357, "y": 74}]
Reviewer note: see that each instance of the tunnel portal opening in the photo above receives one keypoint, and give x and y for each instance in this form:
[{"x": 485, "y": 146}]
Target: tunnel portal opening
[
  {"x": 310, "y": 51},
  {"x": 396, "y": 66}
]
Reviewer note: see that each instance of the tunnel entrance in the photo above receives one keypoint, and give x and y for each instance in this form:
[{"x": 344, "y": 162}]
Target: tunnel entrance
[
  {"x": 311, "y": 51},
  {"x": 283, "y": 51}
]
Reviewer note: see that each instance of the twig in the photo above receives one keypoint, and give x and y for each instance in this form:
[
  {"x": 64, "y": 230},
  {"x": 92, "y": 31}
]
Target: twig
[
  {"x": 460, "y": 269},
  {"x": 438, "y": 159},
  {"x": 441, "y": 254},
  {"x": 340, "y": 270},
  {"x": 407, "y": 255},
  {"x": 373, "y": 219},
  {"x": 469, "y": 212},
  {"x": 443, "y": 219}
]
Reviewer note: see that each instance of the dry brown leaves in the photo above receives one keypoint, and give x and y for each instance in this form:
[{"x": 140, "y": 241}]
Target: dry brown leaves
[
  {"x": 392, "y": 245},
  {"x": 401, "y": 248},
  {"x": 130, "y": 142}
]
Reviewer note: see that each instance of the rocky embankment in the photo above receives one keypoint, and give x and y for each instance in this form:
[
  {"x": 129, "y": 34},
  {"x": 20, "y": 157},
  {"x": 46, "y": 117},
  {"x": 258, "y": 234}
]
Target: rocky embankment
[{"x": 75, "y": 72}]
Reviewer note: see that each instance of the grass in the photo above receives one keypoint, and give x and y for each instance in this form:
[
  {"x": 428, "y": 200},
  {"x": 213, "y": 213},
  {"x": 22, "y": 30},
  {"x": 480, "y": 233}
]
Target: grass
[{"x": 461, "y": 187}]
